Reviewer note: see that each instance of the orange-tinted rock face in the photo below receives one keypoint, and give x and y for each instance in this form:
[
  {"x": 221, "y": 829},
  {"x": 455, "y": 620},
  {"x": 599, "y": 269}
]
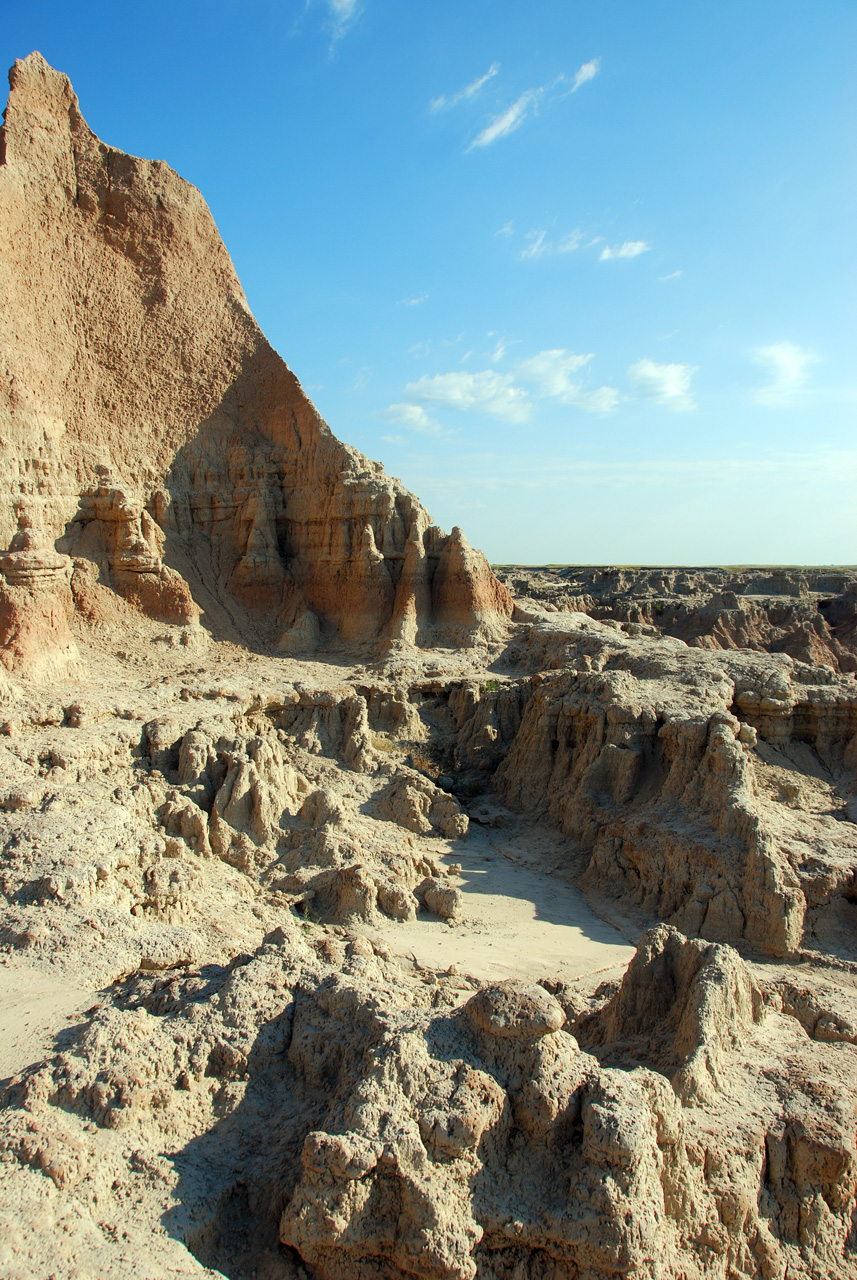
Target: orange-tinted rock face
[
  {"x": 129, "y": 350},
  {"x": 35, "y": 604}
]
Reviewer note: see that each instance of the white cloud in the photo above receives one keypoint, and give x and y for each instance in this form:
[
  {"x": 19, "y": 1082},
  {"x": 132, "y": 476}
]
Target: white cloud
[
  {"x": 515, "y": 115},
  {"x": 508, "y": 121},
  {"x": 342, "y": 14},
  {"x": 413, "y": 302},
  {"x": 667, "y": 384},
  {"x": 601, "y": 400},
  {"x": 506, "y": 230},
  {"x": 673, "y": 275},
  {"x": 788, "y": 368},
  {"x": 551, "y": 375},
  {"x": 536, "y": 246},
  {"x": 551, "y": 371},
  {"x": 570, "y": 242},
  {"x": 548, "y": 375},
  {"x": 415, "y": 418},
  {"x": 488, "y": 392},
  {"x": 588, "y": 71},
  {"x": 467, "y": 93},
  {"x": 630, "y": 249},
  {"x": 539, "y": 246}
]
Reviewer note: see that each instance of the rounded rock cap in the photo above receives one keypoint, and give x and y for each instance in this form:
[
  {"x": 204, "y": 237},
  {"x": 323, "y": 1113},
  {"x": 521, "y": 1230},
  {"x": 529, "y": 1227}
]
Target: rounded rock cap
[{"x": 515, "y": 1010}]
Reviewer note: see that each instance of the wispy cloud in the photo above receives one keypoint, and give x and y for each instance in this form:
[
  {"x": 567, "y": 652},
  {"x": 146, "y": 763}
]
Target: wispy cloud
[
  {"x": 673, "y": 275},
  {"x": 489, "y": 392},
  {"x": 508, "y": 121},
  {"x": 342, "y": 14},
  {"x": 506, "y": 230},
  {"x": 588, "y": 71},
  {"x": 528, "y": 103},
  {"x": 551, "y": 370},
  {"x": 549, "y": 375},
  {"x": 416, "y": 301},
  {"x": 600, "y": 400},
  {"x": 788, "y": 369},
  {"x": 667, "y": 384},
  {"x": 539, "y": 246},
  {"x": 570, "y": 242},
  {"x": 467, "y": 93},
  {"x": 415, "y": 418},
  {"x": 630, "y": 249}
]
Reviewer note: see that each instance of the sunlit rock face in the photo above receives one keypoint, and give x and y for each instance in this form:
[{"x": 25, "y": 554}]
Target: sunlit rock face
[
  {"x": 132, "y": 365},
  {"x": 525, "y": 959}
]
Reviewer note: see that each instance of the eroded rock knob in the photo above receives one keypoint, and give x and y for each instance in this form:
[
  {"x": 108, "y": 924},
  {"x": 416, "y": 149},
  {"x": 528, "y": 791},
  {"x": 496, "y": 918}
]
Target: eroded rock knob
[{"x": 514, "y": 1010}]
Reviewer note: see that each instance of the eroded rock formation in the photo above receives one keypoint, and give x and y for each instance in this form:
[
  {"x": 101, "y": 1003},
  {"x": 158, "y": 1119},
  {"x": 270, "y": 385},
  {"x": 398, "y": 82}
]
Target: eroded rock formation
[
  {"x": 810, "y": 614},
  {"x": 132, "y": 364},
  {"x": 262, "y": 1015}
]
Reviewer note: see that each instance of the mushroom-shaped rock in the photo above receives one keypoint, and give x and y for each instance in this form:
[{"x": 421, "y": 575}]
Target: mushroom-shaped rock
[{"x": 515, "y": 1010}]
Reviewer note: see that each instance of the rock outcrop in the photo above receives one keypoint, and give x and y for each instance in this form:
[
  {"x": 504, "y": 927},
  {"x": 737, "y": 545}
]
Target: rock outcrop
[
  {"x": 257, "y": 1022},
  {"x": 35, "y": 603},
  {"x": 132, "y": 364},
  {"x": 643, "y": 751},
  {"x": 810, "y": 614},
  {"x": 377, "y": 1127}
]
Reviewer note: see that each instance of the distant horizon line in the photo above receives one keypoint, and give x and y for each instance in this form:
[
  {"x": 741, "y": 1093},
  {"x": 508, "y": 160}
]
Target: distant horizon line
[{"x": 606, "y": 564}]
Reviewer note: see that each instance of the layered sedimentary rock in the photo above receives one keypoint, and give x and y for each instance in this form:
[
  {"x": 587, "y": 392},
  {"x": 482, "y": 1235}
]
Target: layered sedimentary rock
[
  {"x": 645, "y": 753},
  {"x": 810, "y": 614},
  {"x": 163, "y": 436},
  {"x": 35, "y": 603},
  {"x": 295, "y": 1043}
]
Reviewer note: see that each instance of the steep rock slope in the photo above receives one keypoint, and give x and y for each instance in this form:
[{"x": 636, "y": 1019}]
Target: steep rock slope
[{"x": 146, "y": 421}]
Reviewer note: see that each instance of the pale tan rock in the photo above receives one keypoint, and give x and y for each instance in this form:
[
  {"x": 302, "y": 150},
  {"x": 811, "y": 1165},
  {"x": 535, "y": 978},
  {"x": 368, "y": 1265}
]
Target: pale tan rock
[
  {"x": 514, "y": 1011},
  {"x": 223, "y": 851},
  {"x": 35, "y": 604},
  {"x": 414, "y": 802},
  {"x": 132, "y": 358},
  {"x": 684, "y": 1007}
]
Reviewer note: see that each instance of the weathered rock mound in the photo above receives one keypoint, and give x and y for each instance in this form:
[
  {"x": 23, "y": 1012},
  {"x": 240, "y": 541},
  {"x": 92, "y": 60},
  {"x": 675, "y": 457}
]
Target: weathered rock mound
[
  {"x": 382, "y": 1127},
  {"x": 143, "y": 410},
  {"x": 810, "y": 614}
]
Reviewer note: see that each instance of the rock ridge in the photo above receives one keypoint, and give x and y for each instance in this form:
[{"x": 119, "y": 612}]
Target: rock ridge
[{"x": 133, "y": 367}]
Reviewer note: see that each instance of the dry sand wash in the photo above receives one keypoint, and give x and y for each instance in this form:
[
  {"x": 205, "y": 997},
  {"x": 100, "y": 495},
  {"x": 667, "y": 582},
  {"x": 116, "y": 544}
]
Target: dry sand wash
[{"x": 366, "y": 916}]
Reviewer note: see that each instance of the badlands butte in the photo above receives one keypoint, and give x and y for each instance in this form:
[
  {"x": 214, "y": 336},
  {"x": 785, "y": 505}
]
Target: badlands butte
[{"x": 368, "y": 913}]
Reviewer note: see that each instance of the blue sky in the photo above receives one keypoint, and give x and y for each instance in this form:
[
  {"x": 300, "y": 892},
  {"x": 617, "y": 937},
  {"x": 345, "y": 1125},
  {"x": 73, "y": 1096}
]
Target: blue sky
[{"x": 582, "y": 275}]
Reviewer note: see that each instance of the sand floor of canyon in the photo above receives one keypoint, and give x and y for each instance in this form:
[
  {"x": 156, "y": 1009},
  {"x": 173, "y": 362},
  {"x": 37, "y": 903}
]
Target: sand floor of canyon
[{"x": 517, "y": 921}]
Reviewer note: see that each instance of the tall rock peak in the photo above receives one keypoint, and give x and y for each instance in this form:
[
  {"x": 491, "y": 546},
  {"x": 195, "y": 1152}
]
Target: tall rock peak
[{"x": 144, "y": 414}]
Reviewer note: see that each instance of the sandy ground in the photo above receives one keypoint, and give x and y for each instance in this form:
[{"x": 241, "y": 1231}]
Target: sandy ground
[
  {"x": 35, "y": 1008},
  {"x": 518, "y": 922}
]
